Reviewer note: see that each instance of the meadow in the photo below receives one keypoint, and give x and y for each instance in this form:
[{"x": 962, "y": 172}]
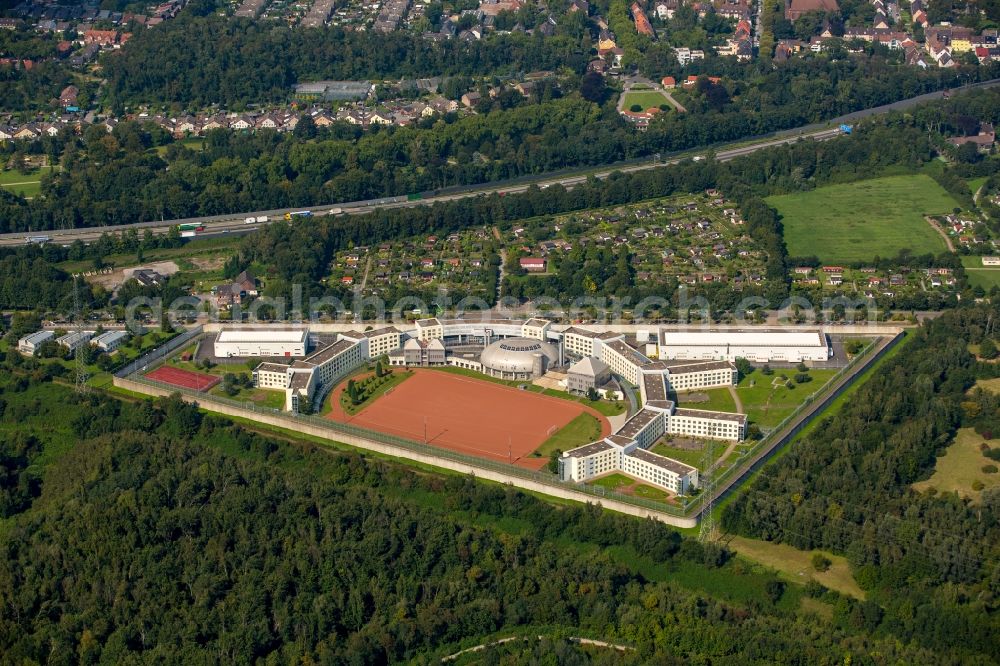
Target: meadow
[
  {"x": 644, "y": 98},
  {"x": 960, "y": 467},
  {"x": 857, "y": 221}
]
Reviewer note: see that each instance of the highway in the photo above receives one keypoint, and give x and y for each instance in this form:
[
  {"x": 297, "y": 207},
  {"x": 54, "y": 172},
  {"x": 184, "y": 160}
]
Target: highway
[{"x": 233, "y": 223}]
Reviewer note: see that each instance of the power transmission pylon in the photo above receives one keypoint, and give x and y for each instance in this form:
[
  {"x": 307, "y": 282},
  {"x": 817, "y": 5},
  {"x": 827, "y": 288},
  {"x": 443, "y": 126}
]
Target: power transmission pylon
[
  {"x": 706, "y": 479},
  {"x": 80, "y": 369}
]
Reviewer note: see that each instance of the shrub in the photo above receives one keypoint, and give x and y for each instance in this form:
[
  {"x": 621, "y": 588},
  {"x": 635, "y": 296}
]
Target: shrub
[
  {"x": 821, "y": 562},
  {"x": 978, "y": 485},
  {"x": 635, "y": 108},
  {"x": 989, "y": 469},
  {"x": 802, "y": 378}
]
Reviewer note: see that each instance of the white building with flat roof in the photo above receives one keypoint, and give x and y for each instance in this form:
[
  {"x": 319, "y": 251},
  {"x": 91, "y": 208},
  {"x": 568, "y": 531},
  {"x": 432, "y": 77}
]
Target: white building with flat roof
[
  {"x": 261, "y": 342},
  {"x": 29, "y": 344},
  {"x": 759, "y": 346}
]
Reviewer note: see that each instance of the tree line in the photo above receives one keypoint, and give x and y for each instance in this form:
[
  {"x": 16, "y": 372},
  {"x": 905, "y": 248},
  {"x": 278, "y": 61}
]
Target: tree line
[{"x": 928, "y": 560}]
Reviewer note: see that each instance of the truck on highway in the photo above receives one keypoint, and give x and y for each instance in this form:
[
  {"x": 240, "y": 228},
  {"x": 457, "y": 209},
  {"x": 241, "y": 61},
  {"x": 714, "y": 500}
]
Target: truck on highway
[
  {"x": 298, "y": 213},
  {"x": 847, "y": 129},
  {"x": 250, "y": 220},
  {"x": 37, "y": 240},
  {"x": 189, "y": 234},
  {"x": 262, "y": 218},
  {"x": 191, "y": 226}
]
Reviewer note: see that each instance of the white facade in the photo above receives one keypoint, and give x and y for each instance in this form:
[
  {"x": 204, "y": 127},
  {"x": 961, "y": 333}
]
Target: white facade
[
  {"x": 255, "y": 343},
  {"x": 75, "y": 339},
  {"x": 111, "y": 341},
  {"x": 704, "y": 424},
  {"x": 429, "y": 329},
  {"x": 623, "y": 360},
  {"x": 536, "y": 328},
  {"x": 627, "y": 453},
  {"x": 383, "y": 341},
  {"x": 271, "y": 376},
  {"x": 29, "y": 344},
  {"x": 692, "y": 376},
  {"x": 757, "y": 346}
]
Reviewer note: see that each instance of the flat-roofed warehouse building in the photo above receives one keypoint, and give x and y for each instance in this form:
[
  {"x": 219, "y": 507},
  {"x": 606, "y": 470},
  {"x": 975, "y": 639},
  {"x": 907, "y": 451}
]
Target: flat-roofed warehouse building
[
  {"x": 761, "y": 346},
  {"x": 289, "y": 343}
]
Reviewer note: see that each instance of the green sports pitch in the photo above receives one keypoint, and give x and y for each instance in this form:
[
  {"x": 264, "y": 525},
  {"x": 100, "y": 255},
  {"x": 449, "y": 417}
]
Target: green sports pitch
[{"x": 862, "y": 220}]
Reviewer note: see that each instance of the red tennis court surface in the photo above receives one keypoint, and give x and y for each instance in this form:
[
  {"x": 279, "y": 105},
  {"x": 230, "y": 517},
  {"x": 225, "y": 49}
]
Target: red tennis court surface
[
  {"x": 471, "y": 416},
  {"x": 184, "y": 378}
]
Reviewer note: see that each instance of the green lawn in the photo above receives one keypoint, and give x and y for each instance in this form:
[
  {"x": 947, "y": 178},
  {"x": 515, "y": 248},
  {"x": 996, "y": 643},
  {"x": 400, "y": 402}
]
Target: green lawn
[
  {"x": 645, "y": 99},
  {"x": 581, "y": 430},
  {"x": 857, "y": 221},
  {"x": 976, "y": 183},
  {"x": 613, "y": 481},
  {"x": 766, "y": 404},
  {"x": 27, "y": 185},
  {"x": 261, "y": 397},
  {"x": 987, "y": 278},
  {"x": 961, "y": 466},
  {"x": 686, "y": 456},
  {"x": 616, "y": 482},
  {"x": 395, "y": 379},
  {"x": 719, "y": 400}
]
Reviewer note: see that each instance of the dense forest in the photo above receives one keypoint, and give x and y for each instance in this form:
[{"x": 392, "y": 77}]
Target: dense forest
[
  {"x": 929, "y": 560},
  {"x": 151, "y": 533}
]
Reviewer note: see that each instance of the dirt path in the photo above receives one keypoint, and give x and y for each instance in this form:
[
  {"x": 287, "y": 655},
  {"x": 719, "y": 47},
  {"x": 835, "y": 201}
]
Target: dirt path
[
  {"x": 368, "y": 268},
  {"x": 941, "y": 232},
  {"x": 736, "y": 399}
]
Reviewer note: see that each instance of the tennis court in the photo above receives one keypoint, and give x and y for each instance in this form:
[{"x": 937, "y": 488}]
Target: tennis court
[{"x": 184, "y": 378}]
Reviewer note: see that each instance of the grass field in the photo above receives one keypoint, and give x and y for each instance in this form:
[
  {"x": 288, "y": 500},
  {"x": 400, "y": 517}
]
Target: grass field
[
  {"x": 621, "y": 483},
  {"x": 260, "y": 397},
  {"x": 26, "y": 185},
  {"x": 395, "y": 379},
  {"x": 719, "y": 400},
  {"x": 987, "y": 278},
  {"x": 645, "y": 99},
  {"x": 857, "y": 221},
  {"x": 976, "y": 183},
  {"x": 767, "y": 402},
  {"x": 960, "y": 466},
  {"x": 686, "y": 456},
  {"x": 581, "y": 430},
  {"x": 795, "y": 565}
]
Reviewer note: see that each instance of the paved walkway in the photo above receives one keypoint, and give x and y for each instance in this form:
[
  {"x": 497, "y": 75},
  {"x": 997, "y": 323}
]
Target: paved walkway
[{"x": 677, "y": 105}]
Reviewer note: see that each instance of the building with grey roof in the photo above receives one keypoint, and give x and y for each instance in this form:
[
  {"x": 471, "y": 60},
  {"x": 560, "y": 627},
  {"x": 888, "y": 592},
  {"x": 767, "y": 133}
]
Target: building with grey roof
[
  {"x": 111, "y": 340},
  {"x": 586, "y": 374},
  {"x": 30, "y": 344}
]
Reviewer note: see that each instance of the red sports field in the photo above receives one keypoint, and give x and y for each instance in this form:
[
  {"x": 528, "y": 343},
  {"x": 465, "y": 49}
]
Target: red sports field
[
  {"x": 468, "y": 415},
  {"x": 184, "y": 378}
]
